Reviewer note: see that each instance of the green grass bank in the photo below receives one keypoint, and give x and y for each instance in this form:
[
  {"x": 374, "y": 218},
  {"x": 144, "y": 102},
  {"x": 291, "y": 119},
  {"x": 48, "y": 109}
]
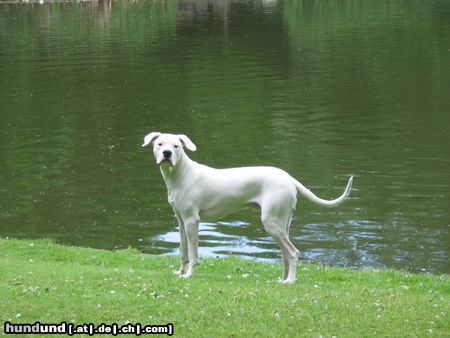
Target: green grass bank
[{"x": 46, "y": 282}]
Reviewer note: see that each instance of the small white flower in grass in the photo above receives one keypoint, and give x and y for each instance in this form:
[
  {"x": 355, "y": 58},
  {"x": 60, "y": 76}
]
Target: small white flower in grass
[
  {"x": 112, "y": 292},
  {"x": 31, "y": 244},
  {"x": 277, "y": 316},
  {"x": 229, "y": 276},
  {"x": 18, "y": 315},
  {"x": 245, "y": 275},
  {"x": 30, "y": 260},
  {"x": 99, "y": 305}
]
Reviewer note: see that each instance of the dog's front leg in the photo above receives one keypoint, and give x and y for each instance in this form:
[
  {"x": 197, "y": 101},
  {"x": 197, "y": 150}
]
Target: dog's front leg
[
  {"x": 184, "y": 257},
  {"x": 191, "y": 228}
]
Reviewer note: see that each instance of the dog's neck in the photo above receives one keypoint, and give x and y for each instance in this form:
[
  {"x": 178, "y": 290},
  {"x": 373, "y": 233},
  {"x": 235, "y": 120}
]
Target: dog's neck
[{"x": 173, "y": 174}]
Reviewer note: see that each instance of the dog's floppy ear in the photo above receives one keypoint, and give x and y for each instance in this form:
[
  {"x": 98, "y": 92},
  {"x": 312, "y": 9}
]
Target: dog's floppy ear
[
  {"x": 150, "y": 138},
  {"x": 187, "y": 142}
]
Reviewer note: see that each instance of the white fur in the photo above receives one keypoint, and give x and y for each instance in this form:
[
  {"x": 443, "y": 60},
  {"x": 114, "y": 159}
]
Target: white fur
[{"x": 197, "y": 192}]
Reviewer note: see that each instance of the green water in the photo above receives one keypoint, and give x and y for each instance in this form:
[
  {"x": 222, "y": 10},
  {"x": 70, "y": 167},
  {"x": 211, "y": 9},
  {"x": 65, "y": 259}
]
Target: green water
[{"x": 322, "y": 89}]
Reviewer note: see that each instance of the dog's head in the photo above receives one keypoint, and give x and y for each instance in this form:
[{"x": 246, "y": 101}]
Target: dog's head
[{"x": 168, "y": 148}]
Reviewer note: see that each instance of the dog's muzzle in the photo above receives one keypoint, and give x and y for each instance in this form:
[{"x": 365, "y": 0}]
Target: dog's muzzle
[{"x": 166, "y": 158}]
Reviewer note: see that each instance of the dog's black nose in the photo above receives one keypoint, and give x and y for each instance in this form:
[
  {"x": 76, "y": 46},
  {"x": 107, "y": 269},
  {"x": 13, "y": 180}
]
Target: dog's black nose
[{"x": 167, "y": 153}]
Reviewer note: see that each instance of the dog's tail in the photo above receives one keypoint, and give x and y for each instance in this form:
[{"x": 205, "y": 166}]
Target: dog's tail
[{"x": 313, "y": 198}]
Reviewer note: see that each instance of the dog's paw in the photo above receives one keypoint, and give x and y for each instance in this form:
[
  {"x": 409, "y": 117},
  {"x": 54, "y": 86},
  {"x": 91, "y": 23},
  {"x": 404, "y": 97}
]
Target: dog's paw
[
  {"x": 178, "y": 272},
  {"x": 287, "y": 281},
  {"x": 185, "y": 276}
]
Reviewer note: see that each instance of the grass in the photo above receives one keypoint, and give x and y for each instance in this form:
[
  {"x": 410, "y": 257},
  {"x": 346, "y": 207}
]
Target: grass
[{"x": 46, "y": 282}]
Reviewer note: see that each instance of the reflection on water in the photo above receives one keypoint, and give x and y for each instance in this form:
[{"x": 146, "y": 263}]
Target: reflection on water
[
  {"x": 352, "y": 244},
  {"x": 321, "y": 89},
  {"x": 215, "y": 243}
]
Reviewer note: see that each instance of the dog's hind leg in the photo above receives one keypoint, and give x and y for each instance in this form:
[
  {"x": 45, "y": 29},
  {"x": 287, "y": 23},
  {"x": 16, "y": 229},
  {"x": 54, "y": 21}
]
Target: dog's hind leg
[
  {"x": 276, "y": 220},
  {"x": 293, "y": 254}
]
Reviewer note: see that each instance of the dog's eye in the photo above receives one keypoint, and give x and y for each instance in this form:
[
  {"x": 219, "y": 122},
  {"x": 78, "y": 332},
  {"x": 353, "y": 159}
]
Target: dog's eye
[
  {"x": 160, "y": 144},
  {"x": 176, "y": 146}
]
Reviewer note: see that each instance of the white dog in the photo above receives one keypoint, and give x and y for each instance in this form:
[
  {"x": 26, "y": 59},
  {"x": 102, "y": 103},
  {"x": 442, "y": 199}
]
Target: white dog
[{"x": 197, "y": 192}]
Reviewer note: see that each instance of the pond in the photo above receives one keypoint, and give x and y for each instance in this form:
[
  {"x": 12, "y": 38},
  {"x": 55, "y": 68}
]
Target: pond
[{"x": 322, "y": 89}]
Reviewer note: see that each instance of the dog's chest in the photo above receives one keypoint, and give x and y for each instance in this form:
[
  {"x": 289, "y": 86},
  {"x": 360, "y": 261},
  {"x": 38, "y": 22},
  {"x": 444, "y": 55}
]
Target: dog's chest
[{"x": 180, "y": 200}]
